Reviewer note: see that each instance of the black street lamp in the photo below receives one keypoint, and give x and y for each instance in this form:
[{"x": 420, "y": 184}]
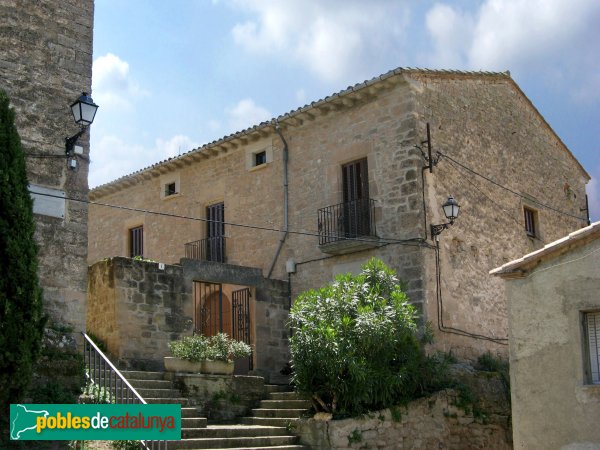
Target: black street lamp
[
  {"x": 84, "y": 110},
  {"x": 451, "y": 210}
]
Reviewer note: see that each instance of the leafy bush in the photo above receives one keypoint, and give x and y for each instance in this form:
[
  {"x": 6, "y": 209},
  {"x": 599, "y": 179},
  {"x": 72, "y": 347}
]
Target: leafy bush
[
  {"x": 355, "y": 344},
  {"x": 217, "y": 348}
]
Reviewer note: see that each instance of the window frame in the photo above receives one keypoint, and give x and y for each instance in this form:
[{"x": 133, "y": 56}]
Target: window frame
[
  {"x": 591, "y": 354},
  {"x": 168, "y": 192},
  {"x": 136, "y": 241},
  {"x": 262, "y": 155},
  {"x": 530, "y": 217}
]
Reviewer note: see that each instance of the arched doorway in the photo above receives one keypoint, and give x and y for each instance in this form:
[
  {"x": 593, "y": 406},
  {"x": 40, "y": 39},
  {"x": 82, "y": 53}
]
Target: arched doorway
[{"x": 212, "y": 309}]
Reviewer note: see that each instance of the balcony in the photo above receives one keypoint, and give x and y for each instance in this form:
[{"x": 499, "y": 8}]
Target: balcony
[
  {"x": 209, "y": 249},
  {"x": 347, "y": 227}
]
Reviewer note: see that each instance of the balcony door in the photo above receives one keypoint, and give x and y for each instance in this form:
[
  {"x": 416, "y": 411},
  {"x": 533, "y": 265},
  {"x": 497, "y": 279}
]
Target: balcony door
[
  {"x": 355, "y": 185},
  {"x": 215, "y": 232}
]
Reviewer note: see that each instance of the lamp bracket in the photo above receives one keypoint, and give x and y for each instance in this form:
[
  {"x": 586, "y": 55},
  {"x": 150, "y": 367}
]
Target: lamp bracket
[
  {"x": 71, "y": 141},
  {"x": 437, "y": 229}
]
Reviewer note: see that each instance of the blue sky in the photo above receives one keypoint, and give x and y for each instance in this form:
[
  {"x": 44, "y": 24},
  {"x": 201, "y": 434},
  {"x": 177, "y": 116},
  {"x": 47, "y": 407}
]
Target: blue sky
[{"x": 172, "y": 75}]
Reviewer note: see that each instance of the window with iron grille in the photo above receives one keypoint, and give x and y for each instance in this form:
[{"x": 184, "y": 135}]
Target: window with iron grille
[
  {"x": 136, "y": 241},
  {"x": 591, "y": 325},
  {"x": 530, "y": 222}
]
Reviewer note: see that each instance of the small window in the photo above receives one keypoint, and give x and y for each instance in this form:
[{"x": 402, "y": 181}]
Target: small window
[
  {"x": 136, "y": 242},
  {"x": 591, "y": 324},
  {"x": 530, "y": 222},
  {"x": 260, "y": 158},
  {"x": 170, "y": 189}
]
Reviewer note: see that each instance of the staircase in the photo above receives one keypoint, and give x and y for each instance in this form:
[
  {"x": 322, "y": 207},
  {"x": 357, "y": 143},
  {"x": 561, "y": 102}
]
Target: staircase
[{"x": 270, "y": 429}]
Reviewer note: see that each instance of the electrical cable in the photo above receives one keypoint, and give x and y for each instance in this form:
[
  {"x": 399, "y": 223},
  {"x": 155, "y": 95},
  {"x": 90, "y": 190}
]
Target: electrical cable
[
  {"x": 552, "y": 208},
  {"x": 410, "y": 242},
  {"x": 477, "y": 188},
  {"x": 440, "y": 309}
]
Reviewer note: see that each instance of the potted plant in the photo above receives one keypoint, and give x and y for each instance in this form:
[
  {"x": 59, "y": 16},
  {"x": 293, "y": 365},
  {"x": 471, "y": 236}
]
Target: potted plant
[{"x": 201, "y": 354}]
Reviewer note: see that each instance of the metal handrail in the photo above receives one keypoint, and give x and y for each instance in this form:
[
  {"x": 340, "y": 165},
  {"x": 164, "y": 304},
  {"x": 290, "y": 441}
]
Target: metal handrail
[
  {"x": 208, "y": 249},
  {"x": 103, "y": 373},
  {"x": 347, "y": 220}
]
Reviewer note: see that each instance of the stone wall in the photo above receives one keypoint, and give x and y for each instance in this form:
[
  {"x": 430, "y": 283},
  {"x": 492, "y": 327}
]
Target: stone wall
[
  {"x": 221, "y": 397},
  {"x": 45, "y": 64},
  {"x": 137, "y": 308},
  {"x": 428, "y": 423},
  {"x": 489, "y": 126}
]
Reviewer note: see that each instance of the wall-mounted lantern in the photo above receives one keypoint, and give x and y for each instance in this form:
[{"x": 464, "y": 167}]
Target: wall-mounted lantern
[
  {"x": 451, "y": 210},
  {"x": 84, "y": 110}
]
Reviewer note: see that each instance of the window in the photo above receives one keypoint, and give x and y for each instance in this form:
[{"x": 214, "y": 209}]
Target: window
[
  {"x": 215, "y": 232},
  {"x": 136, "y": 242},
  {"x": 591, "y": 326},
  {"x": 170, "y": 189},
  {"x": 530, "y": 222},
  {"x": 260, "y": 158},
  {"x": 356, "y": 207}
]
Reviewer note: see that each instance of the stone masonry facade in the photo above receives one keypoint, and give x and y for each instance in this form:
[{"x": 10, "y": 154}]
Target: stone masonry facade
[
  {"x": 137, "y": 307},
  {"x": 480, "y": 120},
  {"x": 45, "y": 64}
]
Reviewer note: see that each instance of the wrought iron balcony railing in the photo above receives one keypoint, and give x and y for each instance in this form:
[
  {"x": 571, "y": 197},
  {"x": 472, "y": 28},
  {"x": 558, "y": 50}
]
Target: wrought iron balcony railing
[
  {"x": 346, "y": 221},
  {"x": 209, "y": 249}
]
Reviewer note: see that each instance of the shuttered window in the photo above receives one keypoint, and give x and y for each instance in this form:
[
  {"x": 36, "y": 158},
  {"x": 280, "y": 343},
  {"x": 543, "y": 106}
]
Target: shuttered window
[
  {"x": 592, "y": 329},
  {"x": 136, "y": 242},
  {"x": 530, "y": 219}
]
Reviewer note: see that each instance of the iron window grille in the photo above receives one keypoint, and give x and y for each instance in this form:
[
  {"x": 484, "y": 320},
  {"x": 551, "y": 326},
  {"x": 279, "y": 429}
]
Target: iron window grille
[{"x": 136, "y": 242}]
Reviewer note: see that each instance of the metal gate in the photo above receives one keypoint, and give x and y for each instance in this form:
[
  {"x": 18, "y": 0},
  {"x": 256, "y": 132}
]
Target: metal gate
[{"x": 241, "y": 317}]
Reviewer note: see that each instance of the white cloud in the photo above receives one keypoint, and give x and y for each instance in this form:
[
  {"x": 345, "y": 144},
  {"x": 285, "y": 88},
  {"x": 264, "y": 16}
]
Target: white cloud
[
  {"x": 246, "y": 113},
  {"x": 333, "y": 38},
  {"x": 112, "y": 83},
  {"x": 113, "y": 158},
  {"x": 557, "y": 39},
  {"x": 450, "y": 31}
]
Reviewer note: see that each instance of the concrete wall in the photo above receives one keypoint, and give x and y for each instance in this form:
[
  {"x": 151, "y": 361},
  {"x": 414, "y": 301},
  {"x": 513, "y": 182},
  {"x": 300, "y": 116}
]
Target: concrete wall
[
  {"x": 137, "y": 308},
  {"x": 45, "y": 64},
  {"x": 482, "y": 120},
  {"x": 553, "y": 406}
]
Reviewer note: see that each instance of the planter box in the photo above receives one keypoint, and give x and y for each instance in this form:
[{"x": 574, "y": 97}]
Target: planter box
[{"x": 173, "y": 364}]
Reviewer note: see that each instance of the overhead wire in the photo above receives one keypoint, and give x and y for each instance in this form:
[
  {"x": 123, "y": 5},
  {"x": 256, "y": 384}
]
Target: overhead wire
[{"x": 416, "y": 242}]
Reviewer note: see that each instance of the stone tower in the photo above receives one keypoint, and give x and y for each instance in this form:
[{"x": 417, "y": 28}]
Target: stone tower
[{"x": 45, "y": 65}]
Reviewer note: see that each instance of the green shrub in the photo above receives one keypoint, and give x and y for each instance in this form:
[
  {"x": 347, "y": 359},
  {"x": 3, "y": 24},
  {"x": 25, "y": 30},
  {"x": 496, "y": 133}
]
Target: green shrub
[
  {"x": 21, "y": 313},
  {"x": 217, "y": 348},
  {"x": 355, "y": 344}
]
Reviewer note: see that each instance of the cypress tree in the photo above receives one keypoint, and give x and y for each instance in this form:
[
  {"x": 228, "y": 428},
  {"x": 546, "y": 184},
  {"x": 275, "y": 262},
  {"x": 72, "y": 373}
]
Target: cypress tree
[{"x": 22, "y": 318}]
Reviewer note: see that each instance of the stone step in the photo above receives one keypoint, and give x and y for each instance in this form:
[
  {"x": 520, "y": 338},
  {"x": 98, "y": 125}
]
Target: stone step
[
  {"x": 263, "y": 412},
  {"x": 142, "y": 375},
  {"x": 271, "y": 447},
  {"x": 231, "y": 431},
  {"x": 277, "y": 388},
  {"x": 284, "y": 422},
  {"x": 181, "y": 400},
  {"x": 193, "y": 422},
  {"x": 233, "y": 442},
  {"x": 158, "y": 393},
  {"x": 189, "y": 412},
  {"x": 290, "y": 395},
  {"x": 151, "y": 384},
  {"x": 284, "y": 404}
]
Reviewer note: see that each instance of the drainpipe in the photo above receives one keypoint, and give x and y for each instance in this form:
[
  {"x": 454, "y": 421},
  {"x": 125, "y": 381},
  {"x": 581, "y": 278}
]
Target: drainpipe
[{"x": 285, "y": 197}]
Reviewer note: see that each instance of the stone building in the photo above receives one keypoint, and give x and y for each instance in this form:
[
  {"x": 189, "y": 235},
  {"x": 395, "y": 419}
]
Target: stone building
[
  {"x": 321, "y": 189},
  {"x": 45, "y": 65},
  {"x": 553, "y": 298}
]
